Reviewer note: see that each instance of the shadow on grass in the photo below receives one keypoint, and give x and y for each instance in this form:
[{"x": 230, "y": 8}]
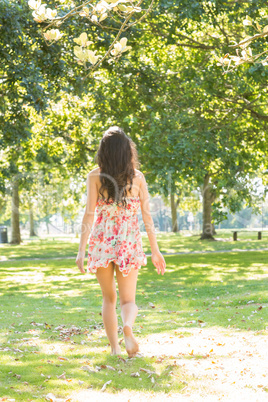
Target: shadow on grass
[
  {"x": 37, "y": 374},
  {"x": 42, "y": 302},
  {"x": 203, "y": 286},
  {"x": 168, "y": 243}
]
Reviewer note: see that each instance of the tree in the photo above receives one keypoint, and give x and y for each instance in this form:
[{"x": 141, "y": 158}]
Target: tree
[
  {"x": 26, "y": 69},
  {"x": 188, "y": 119}
]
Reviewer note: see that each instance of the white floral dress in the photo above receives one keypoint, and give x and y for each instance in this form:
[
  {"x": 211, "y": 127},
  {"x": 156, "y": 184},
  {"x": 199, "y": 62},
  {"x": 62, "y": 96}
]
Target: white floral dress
[{"x": 115, "y": 236}]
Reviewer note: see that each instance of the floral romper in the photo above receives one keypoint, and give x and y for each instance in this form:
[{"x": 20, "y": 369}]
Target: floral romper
[{"x": 115, "y": 236}]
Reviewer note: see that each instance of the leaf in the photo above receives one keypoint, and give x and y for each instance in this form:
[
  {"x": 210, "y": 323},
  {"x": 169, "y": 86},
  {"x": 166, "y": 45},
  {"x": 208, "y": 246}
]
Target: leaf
[
  {"x": 62, "y": 376},
  {"x": 84, "y": 12},
  {"x": 105, "y": 385},
  {"x": 258, "y": 26},
  {"x": 87, "y": 368},
  {"x": 51, "y": 397},
  {"x": 122, "y": 359},
  {"x": 103, "y": 17},
  {"x": 63, "y": 358},
  {"x": 147, "y": 371},
  {"x": 135, "y": 374},
  {"x": 265, "y": 29},
  {"x": 110, "y": 368}
]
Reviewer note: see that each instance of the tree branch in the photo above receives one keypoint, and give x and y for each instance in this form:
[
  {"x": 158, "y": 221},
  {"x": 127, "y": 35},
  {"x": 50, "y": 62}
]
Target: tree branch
[
  {"x": 244, "y": 42},
  {"x": 195, "y": 42}
]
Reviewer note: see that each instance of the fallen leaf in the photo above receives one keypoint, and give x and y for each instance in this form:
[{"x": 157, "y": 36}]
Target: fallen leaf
[
  {"x": 50, "y": 397},
  {"x": 110, "y": 368},
  {"x": 147, "y": 371},
  {"x": 105, "y": 385},
  {"x": 62, "y": 376},
  {"x": 122, "y": 359},
  {"x": 87, "y": 368},
  {"x": 135, "y": 374}
]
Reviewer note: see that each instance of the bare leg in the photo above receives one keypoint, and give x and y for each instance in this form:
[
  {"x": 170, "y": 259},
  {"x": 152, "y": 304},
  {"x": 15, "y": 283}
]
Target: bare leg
[
  {"x": 129, "y": 310},
  {"x": 106, "y": 280}
]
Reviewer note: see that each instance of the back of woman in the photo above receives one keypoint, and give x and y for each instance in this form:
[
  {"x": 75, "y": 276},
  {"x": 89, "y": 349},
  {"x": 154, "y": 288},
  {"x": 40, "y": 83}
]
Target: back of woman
[
  {"x": 115, "y": 235},
  {"x": 115, "y": 191}
]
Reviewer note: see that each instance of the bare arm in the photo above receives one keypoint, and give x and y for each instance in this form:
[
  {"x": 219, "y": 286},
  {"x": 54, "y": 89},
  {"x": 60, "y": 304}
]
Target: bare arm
[
  {"x": 88, "y": 218},
  {"x": 157, "y": 258}
]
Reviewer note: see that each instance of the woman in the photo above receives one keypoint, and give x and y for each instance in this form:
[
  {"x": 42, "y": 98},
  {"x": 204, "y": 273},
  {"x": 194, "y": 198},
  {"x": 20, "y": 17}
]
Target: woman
[{"x": 115, "y": 191}]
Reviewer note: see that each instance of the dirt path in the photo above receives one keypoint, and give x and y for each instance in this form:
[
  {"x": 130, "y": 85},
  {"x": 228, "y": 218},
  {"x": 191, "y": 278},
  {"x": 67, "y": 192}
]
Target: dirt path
[{"x": 218, "y": 365}]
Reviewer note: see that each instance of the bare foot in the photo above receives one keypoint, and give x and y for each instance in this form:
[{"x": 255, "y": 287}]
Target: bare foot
[
  {"x": 131, "y": 344},
  {"x": 116, "y": 351}
]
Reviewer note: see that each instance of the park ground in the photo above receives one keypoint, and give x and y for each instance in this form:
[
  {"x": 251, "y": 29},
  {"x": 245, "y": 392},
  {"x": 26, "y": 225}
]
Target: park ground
[{"x": 202, "y": 327}]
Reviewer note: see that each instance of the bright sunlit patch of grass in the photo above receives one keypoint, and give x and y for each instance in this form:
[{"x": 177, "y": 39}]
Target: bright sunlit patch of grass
[{"x": 50, "y": 299}]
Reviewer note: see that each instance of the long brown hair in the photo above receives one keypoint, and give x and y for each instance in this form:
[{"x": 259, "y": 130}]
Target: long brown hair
[{"x": 117, "y": 158}]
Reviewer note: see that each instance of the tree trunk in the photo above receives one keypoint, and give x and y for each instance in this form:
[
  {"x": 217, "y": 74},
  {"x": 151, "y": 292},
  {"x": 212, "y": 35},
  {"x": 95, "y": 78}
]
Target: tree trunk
[
  {"x": 15, "y": 214},
  {"x": 31, "y": 220},
  {"x": 208, "y": 227},
  {"x": 174, "y": 206}
]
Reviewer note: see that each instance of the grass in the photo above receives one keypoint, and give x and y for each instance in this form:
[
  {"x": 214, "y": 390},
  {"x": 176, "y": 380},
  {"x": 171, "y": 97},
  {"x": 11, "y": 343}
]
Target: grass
[
  {"x": 168, "y": 243},
  {"x": 37, "y": 298}
]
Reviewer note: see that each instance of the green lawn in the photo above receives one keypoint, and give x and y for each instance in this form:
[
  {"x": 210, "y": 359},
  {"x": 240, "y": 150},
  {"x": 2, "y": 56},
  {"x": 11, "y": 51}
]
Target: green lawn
[
  {"x": 225, "y": 290},
  {"x": 168, "y": 243}
]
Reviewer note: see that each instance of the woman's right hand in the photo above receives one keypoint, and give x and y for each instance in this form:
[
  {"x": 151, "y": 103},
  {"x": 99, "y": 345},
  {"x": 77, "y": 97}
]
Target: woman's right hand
[
  {"x": 159, "y": 262},
  {"x": 80, "y": 261}
]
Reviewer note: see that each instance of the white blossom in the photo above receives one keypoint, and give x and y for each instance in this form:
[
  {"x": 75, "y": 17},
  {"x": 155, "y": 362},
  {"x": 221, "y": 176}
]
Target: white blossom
[
  {"x": 82, "y": 40},
  {"x": 53, "y": 34},
  {"x": 120, "y": 47},
  {"x": 34, "y": 4},
  {"x": 51, "y": 14}
]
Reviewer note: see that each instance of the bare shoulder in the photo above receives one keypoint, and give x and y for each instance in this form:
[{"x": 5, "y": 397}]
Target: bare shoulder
[
  {"x": 140, "y": 178},
  {"x": 139, "y": 174},
  {"x": 94, "y": 173},
  {"x": 93, "y": 176}
]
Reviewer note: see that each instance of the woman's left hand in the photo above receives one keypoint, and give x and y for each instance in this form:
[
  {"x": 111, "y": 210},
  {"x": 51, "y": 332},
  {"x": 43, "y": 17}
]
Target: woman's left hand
[
  {"x": 80, "y": 261},
  {"x": 159, "y": 262}
]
